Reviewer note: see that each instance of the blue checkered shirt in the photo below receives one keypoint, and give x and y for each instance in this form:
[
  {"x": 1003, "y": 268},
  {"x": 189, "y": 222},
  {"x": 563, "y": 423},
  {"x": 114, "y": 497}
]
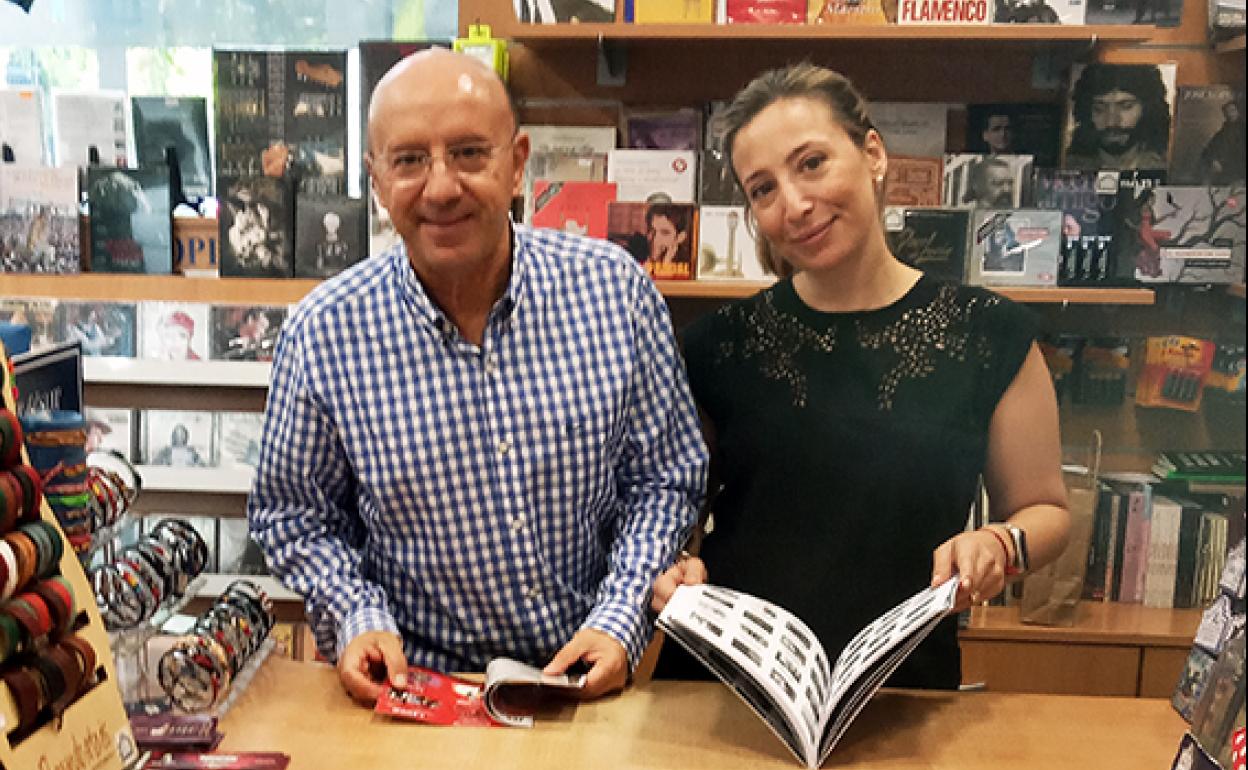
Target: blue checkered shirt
[{"x": 480, "y": 501}]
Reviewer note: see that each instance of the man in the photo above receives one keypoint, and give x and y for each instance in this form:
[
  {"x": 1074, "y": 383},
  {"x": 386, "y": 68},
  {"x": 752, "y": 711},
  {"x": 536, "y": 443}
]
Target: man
[
  {"x": 667, "y": 239},
  {"x": 990, "y": 184},
  {"x": 997, "y": 134},
  {"x": 1222, "y": 159},
  {"x": 1121, "y": 118},
  {"x": 480, "y": 442}
]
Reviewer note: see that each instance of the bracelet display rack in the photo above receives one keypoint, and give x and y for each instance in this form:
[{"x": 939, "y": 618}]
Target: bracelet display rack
[{"x": 93, "y": 731}]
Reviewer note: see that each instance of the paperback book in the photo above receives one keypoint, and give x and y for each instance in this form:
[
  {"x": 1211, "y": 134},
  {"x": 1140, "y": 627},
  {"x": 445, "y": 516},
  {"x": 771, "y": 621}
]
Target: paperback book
[
  {"x": 964, "y": 12},
  {"x": 563, "y": 11},
  {"x": 659, "y": 235},
  {"x": 184, "y": 439},
  {"x": 986, "y": 181},
  {"x": 180, "y": 122},
  {"x": 330, "y": 235},
  {"x": 912, "y": 181},
  {"x": 102, "y": 328},
  {"x": 669, "y": 175},
  {"x": 726, "y": 248},
  {"x": 1088, "y": 202},
  {"x": 39, "y": 227},
  {"x": 256, "y": 227},
  {"x": 915, "y": 129},
  {"x": 110, "y": 430},
  {"x": 775, "y": 663},
  {"x": 173, "y": 331},
  {"x": 763, "y": 11},
  {"x": 245, "y": 332},
  {"x": 574, "y": 207},
  {"x": 1145, "y": 142},
  {"x": 131, "y": 229},
  {"x": 852, "y": 12},
  {"x": 1015, "y": 129},
  {"x": 511, "y": 695},
  {"x": 1014, "y": 247},
  {"x": 668, "y": 12},
  {"x": 90, "y": 128},
  {"x": 933, "y": 240},
  {"x": 21, "y": 126},
  {"x": 1208, "y": 136},
  {"x": 565, "y": 154},
  {"x": 1187, "y": 235}
]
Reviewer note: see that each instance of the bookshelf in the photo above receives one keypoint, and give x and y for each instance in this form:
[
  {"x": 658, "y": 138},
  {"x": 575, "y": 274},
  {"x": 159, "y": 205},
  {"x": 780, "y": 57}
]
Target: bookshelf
[{"x": 539, "y": 34}]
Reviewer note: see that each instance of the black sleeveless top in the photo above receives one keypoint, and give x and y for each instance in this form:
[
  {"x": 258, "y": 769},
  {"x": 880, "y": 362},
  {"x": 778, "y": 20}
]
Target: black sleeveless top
[{"x": 849, "y": 446}]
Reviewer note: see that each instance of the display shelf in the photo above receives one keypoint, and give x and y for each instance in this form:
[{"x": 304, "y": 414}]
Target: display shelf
[
  {"x": 110, "y": 287},
  {"x": 138, "y": 371},
  {"x": 1231, "y": 45},
  {"x": 164, "y": 478},
  {"x": 536, "y": 34}
]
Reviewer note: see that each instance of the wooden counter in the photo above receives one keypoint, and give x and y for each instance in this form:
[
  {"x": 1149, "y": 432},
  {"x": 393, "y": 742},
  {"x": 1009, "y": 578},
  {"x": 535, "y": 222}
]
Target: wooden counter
[
  {"x": 1113, "y": 649},
  {"x": 300, "y": 709}
]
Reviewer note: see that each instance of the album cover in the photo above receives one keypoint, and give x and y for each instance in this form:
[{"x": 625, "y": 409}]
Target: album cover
[
  {"x": 963, "y": 12},
  {"x": 240, "y": 438},
  {"x": 103, "y": 328},
  {"x": 659, "y": 235},
  {"x": 256, "y": 227},
  {"x": 668, "y": 12},
  {"x": 90, "y": 128},
  {"x": 21, "y": 126},
  {"x": 1186, "y": 234},
  {"x": 716, "y": 184},
  {"x": 663, "y": 129},
  {"x": 563, "y": 11},
  {"x": 986, "y": 181},
  {"x": 852, "y": 12},
  {"x": 1162, "y": 13},
  {"x": 39, "y": 225},
  {"x": 131, "y": 228},
  {"x": 916, "y": 129},
  {"x": 933, "y": 240},
  {"x": 183, "y": 439},
  {"x": 180, "y": 122},
  {"x": 763, "y": 11},
  {"x": 912, "y": 181},
  {"x": 1117, "y": 116},
  {"x": 1015, "y": 129},
  {"x": 574, "y": 207},
  {"x": 245, "y": 332},
  {"x": 653, "y": 175},
  {"x": 726, "y": 248},
  {"x": 1088, "y": 201},
  {"x": 565, "y": 154},
  {"x": 1121, "y": 208},
  {"x": 330, "y": 235},
  {"x": 38, "y": 314},
  {"x": 237, "y": 553},
  {"x": 1039, "y": 12},
  {"x": 1208, "y": 136},
  {"x": 1017, "y": 247},
  {"x": 173, "y": 331},
  {"x": 110, "y": 430}
]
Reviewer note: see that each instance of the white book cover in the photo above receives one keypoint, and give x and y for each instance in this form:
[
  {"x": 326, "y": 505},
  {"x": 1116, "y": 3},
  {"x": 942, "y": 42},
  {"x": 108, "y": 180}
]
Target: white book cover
[
  {"x": 240, "y": 438},
  {"x": 110, "y": 430},
  {"x": 643, "y": 175},
  {"x": 173, "y": 331},
  {"x": 915, "y": 129},
  {"x": 985, "y": 181},
  {"x": 726, "y": 248},
  {"x": 21, "y": 127},
  {"x": 182, "y": 439},
  {"x": 1014, "y": 247},
  {"x": 570, "y": 140},
  {"x": 86, "y": 120},
  {"x": 39, "y": 224},
  {"x": 1163, "y": 551},
  {"x": 565, "y": 154}
]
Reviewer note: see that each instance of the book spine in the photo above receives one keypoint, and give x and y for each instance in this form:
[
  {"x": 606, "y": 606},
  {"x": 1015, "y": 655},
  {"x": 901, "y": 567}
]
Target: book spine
[
  {"x": 1094, "y": 583},
  {"x": 1135, "y": 551},
  {"x": 1159, "y": 582},
  {"x": 1113, "y": 551},
  {"x": 1185, "y": 558}
]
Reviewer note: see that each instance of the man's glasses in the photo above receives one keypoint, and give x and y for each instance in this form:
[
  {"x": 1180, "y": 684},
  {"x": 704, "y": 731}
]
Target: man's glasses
[{"x": 415, "y": 165}]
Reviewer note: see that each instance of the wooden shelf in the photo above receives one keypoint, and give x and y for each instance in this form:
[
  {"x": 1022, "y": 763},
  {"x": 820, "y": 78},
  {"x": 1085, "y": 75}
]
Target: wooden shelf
[
  {"x": 1232, "y": 45},
  {"x": 1078, "y": 295},
  {"x": 711, "y": 289},
  {"x": 1112, "y": 623}
]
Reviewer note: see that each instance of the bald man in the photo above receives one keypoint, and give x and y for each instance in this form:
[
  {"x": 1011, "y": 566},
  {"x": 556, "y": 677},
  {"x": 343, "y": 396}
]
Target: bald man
[{"x": 480, "y": 443}]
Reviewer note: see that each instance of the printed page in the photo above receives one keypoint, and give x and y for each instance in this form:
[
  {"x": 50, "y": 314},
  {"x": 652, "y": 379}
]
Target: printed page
[
  {"x": 766, "y": 654},
  {"x": 514, "y": 691},
  {"x": 876, "y": 652}
]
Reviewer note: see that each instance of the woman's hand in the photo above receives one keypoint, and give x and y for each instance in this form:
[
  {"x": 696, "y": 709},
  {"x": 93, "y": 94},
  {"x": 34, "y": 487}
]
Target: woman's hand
[{"x": 980, "y": 558}]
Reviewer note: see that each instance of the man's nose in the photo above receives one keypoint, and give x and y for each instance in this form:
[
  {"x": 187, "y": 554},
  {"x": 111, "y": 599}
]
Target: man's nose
[{"x": 442, "y": 180}]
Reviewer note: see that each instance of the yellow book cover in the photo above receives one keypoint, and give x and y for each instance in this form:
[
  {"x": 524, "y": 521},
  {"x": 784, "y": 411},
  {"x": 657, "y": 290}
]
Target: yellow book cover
[
  {"x": 673, "y": 11},
  {"x": 853, "y": 11}
]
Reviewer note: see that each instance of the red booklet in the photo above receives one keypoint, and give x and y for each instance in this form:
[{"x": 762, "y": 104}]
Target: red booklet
[{"x": 511, "y": 695}]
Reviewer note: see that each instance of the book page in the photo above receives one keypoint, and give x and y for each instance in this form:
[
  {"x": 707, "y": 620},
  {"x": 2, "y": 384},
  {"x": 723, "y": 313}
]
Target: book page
[
  {"x": 514, "y": 691},
  {"x": 764, "y": 653}
]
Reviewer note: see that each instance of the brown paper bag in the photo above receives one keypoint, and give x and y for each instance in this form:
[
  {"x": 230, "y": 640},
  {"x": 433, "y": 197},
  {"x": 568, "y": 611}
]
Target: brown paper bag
[{"x": 1051, "y": 593}]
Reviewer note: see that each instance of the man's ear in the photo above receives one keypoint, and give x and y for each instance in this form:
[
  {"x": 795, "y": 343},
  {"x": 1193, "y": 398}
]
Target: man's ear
[{"x": 520, "y": 149}]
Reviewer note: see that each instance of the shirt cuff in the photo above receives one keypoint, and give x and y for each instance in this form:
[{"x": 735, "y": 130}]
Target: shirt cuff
[
  {"x": 363, "y": 621},
  {"x": 626, "y": 624}
]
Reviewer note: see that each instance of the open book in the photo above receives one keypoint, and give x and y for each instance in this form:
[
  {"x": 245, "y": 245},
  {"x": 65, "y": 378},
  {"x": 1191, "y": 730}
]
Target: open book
[
  {"x": 776, "y": 664},
  {"x": 511, "y": 693}
]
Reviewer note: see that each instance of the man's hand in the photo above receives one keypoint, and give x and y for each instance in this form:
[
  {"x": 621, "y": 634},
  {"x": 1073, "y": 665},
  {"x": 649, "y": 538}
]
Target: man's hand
[
  {"x": 606, "y": 657},
  {"x": 687, "y": 571},
  {"x": 979, "y": 558},
  {"x": 369, "y": 662}
]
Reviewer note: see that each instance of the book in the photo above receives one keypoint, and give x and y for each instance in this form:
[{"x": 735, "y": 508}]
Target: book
[
  {"x": 21, "y": 126},
  {"x": 944, "y": 12},
  {"x": 1015, "y": 129},
  {"x": 574, "y": 207},
  {"x": 1208, "y": 146},
  {"x": 48, "y": 379},
  {"x": 330, "y": 234},
  {"x": 1139, "y": 138},
  {"x": 975, "y": 180},
  {"x": 103, "y": 328},
  {"x": 717, "y": 186},
  {"x": 178, "y": 438},
  {"x": 173, "y": 331},
  {"x": 256, "y": 226},
  {"x": 914, "y": 129},
  {"x": 90, "y": 128},
  {"x": 511, "y": 695},
  {"x": 240, "y": 438},
  {"x": 1161, "y": 13},
  {"x": 245, "y": 332},
  {"x": 933, "y": 240},
  {"x": 669, "y": 175},
  {"x": 660, "y": 236},
  {"x": 1138, "y": 506},
  {"x": 1187, "y": 235},
  {"x": 668, "y": 12},
  {"x": 37, "y": 314},
  {"x": 913, "y": 181},
  {"x": 180, "y": 122},
  {"x": 762, "y": 12},
  {"x": 110, "y": 430},
  {"x": 131, "y": 228},
  {"x": 237, "y": 553},
  {"x": 1163, "y": 552},
  {"x": 663, "y": 129},
  {"x": 726, "y": 248},
  {"x": 775, "y": 663},
  {"x": 39, "y": 227},
  {"x": 1014, "y": 247},
  {"x": 852, "y": 12},
  {"x": 1122, "y": 210},
  {"x": 1039, "y": 12},
  {"x": 1088, "y": 221},
  {"x": 562, "y": 11},
  {"x": 565, "y": 154}
]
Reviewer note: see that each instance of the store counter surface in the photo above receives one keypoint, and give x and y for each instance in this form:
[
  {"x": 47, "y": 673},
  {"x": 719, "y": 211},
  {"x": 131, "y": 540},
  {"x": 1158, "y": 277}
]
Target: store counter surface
[{"x": 301, "y": 710}]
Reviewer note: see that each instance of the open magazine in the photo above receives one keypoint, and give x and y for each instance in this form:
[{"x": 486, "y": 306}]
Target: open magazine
[
  {"x": 511, "y": 693},
  {"x": 776, "y": 664}
]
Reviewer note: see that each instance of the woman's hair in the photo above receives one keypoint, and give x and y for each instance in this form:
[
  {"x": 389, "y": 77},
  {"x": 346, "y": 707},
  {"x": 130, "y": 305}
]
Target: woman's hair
[{"x": 796, "y": 81}]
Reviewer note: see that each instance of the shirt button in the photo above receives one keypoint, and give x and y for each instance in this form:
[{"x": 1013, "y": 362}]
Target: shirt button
[
  {"x": 517, "y": 522},
  {"x": 503, "y": 446}
]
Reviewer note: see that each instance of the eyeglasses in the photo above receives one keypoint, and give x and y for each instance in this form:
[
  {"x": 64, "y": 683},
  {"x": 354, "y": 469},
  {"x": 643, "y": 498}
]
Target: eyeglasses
[{"x": 463, "y": 159}]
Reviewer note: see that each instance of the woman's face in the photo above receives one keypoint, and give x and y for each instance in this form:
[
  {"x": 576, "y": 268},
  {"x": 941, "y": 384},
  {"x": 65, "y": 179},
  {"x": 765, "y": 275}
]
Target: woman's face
[{"x": 810, "y": 187}]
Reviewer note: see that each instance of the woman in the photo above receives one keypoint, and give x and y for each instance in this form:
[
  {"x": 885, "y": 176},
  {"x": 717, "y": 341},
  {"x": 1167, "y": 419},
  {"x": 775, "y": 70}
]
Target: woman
[{"x": 854, "y": 405}]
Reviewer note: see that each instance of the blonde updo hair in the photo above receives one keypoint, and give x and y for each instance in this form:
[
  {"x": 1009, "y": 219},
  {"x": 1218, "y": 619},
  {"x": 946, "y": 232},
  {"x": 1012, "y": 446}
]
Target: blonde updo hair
[{"x": 796, "y": 81}]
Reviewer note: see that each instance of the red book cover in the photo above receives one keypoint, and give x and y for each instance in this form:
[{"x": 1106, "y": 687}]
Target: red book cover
[
  {"x": 574, "y": 207},
  {"x": 437, "y": 699},
  {"x": 765, "y": 11}
]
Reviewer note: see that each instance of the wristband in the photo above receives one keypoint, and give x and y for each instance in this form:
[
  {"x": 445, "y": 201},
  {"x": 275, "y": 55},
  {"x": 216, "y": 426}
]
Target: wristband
[
  {"x": 25, "y": 688},
  {"x": 1010, "y": 569}
]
